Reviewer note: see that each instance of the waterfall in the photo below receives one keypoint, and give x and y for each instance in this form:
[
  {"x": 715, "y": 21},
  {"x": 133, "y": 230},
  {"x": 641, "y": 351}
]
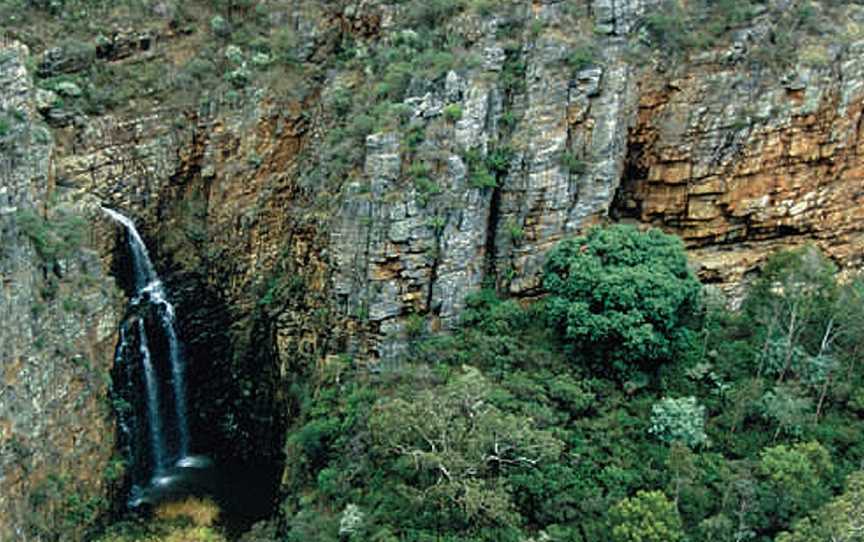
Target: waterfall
[
  {"x": 145, "y": 273},
  {"x": 154, "y": 417},
  {"x": 165, "y": 448}
]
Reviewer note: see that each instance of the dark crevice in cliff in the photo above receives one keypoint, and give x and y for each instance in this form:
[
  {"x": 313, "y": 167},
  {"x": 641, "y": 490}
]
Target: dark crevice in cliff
[
  {"x": 626, "y": 202},
  {"x": 433, "y": 271},
  {"x": 363, "y": 311},
  {"x": 492, "y": 224},
  {"x": 513, "y": 83},
  {"x": 233, "y": 372}
]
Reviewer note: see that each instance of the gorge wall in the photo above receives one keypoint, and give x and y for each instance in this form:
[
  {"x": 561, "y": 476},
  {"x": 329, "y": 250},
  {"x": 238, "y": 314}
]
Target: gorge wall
[
  {"x": 299, "y": 227},
  {"x": 741, "y": 165},
  {"x": 59, "y": 315}
]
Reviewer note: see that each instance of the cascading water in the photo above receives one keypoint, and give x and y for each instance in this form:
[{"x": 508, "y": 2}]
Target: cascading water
[
  {"x": 150, "y": 400},
  {"x": 151, "y": 322},
  {"x": 154, "y": 417}
]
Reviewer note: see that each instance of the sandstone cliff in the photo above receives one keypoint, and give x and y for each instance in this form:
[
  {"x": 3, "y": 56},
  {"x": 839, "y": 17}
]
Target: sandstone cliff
[{"x": 296, "y": 235}]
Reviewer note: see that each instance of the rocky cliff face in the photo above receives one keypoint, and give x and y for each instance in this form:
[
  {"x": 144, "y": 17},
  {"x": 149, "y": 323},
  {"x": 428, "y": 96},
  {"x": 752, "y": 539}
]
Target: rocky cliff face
[
  {"x": 741, "y": 163},
  {"x": 295, "y": 239},
  {"x": 59, "y": 321},
  {"x": 226, "y": 195}
]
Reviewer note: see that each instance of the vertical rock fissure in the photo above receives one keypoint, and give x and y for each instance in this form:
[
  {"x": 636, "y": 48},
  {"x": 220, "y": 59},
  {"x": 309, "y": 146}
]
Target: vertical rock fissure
[
  {"x": 625, "y": 201},
  {"x": 492, "y": 230},
  {"x": 436, "y": 262}
]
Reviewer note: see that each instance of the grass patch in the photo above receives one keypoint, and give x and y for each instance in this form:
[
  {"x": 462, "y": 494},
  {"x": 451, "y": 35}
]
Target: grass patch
[{"x": 201, "y": 512}]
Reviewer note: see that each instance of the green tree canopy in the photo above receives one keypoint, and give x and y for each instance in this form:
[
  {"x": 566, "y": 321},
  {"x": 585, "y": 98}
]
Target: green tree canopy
[
  {"x": 648, "y": 517},
  {"x": 679, "y": 420},
  {"x": 797, "y": 476},
  {"x": 622, "y": 297},
  {"x": 794, "y": 304},
  {"x": 462, "y": 445},
  {"x": 841, "y": 520}
]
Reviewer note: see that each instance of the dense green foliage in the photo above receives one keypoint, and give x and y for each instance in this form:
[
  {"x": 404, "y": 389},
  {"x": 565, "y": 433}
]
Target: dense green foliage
[
  {"x": 681, "y": 27},
  {"x": 53, "y": 239},
  {"x": 841, "y": 520},
  {"x": 623, "y": 298},
  {"x": 627, "y": 405},
  {"x": 503, "y": 431},
  {"x": 648, "y": 517},
  {"x": 461, "y": 446},
  {"x": 679, "y": 420}
]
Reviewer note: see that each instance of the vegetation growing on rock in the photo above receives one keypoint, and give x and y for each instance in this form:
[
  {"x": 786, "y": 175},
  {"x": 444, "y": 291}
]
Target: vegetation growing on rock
[
  {"x": 410, "y": 448},
  {"x": 271, "y": 146}
]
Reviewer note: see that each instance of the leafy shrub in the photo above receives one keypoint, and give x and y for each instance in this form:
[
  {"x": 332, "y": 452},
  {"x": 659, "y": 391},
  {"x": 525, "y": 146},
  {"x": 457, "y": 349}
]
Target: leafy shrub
[
  {"x": 453, "y": 112},
  {"x": 512, "y": 76},
  {"x": 239, "y": 77},
  {"x": 234, "y": 54},
  {"x": 414, "y": 136},
  {"x": 856, "y": 400},
  {"x": 482, "y": 178},
  {"x": 220, "y": 27},
  {"x": 499, "y": 160},
  {"x": 479, "y": 175},
  {"x": 433, "y": 63},
  {"x": 395, "y": 80},
  {"x": 426, "y": 188},
  {"x": 53, "y": 239},
  {"x": 573, "y": 164},
  {"x": 314, "y": 440},
  {"x": 508, "y": 120},
  {"x": 432, "y": 13},
  {"x": 516, "y": 232},
  {"x": 284, "y": 45},
  {"x": 581, "y": 57},
  {"x": 484, "y": 7},
  {"x": 68, "y": 88},
  {"x": 261, "y": 60},
  {"x": 679, "y": 420},
  {"x": 668, "y": 27}
]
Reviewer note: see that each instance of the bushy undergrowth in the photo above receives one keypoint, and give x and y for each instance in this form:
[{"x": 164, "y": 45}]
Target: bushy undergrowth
[
  {"x": 503, "y": 431},
  {"x": 188, "y": 520}
]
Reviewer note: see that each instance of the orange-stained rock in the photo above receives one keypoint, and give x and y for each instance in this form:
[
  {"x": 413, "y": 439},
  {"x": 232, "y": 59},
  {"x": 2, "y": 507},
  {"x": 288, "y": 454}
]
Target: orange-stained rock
[{"x": 768, "y": 184}]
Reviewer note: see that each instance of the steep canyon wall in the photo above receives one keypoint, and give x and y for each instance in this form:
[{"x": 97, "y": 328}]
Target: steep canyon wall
[
  {"x": 59, "y": 314},
  {"x": 280, "y": 268}
]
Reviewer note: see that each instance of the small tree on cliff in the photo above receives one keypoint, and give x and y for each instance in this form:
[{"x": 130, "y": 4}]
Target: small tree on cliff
[
  {"x": 623, "y": 299},
  {"x": 795, "y": 303}
]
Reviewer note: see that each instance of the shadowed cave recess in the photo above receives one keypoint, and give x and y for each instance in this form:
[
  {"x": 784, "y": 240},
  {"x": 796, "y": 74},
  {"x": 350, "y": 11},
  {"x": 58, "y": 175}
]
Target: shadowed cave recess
[{"x": 197, "y": 414}]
